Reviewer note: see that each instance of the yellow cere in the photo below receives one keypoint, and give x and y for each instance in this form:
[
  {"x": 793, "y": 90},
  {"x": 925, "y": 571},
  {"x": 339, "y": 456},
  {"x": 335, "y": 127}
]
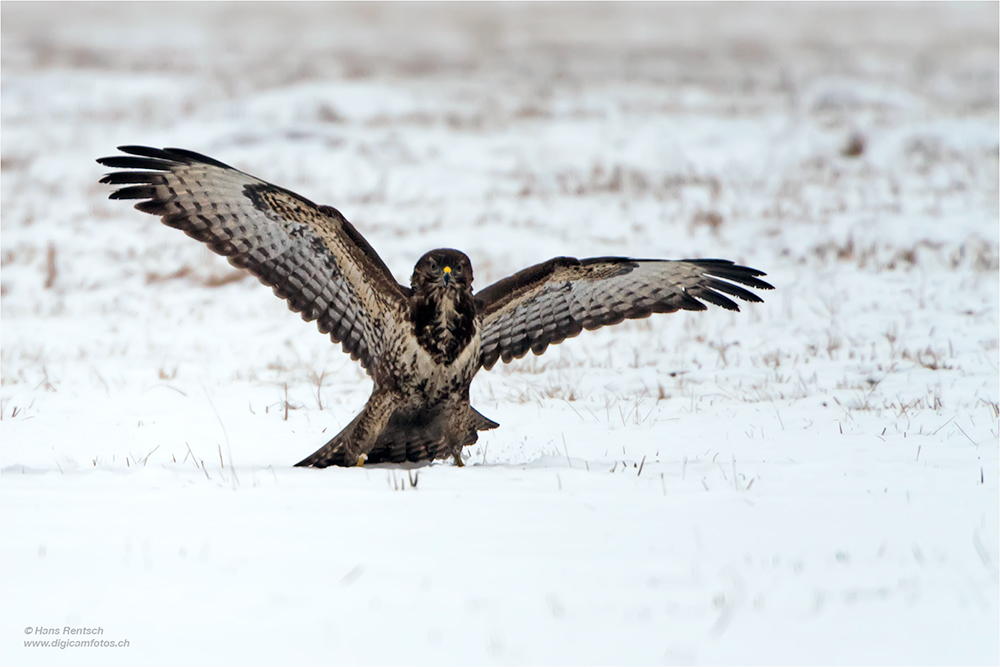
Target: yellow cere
[{"x": 447, "y": 269}]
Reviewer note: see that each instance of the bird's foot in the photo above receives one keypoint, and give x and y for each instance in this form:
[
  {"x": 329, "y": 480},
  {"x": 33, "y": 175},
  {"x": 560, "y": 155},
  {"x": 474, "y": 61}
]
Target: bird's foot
[
  {"x": 458, "y": 459},
  {"x": 361, "y": 460}
]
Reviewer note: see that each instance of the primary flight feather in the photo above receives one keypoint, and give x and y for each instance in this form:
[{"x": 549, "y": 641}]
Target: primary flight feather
[{"x": 422, "y": 344}]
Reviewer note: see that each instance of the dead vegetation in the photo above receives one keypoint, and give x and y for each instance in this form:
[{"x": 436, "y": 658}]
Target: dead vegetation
[
  {"x": 854, "y": 146},
  {"x": 198, "y": 278},
  {"x": 713, "y": 220},
  {"x": 976, "y": 253},
  {"x": 51, "y": 270},
  {"x": 622, "y": 179}
]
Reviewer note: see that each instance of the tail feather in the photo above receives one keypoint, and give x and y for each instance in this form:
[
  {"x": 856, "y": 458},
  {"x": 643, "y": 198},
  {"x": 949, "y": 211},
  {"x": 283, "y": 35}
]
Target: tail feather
[
  {"x": 333, "y": 453},
  {"x": 346, "y": 447},
  {"x": 483, "y": 423},
  {"x": 408, "y": 442},
  {"x": 402, "y": 446},
  {"x": 401, "y": 440}
]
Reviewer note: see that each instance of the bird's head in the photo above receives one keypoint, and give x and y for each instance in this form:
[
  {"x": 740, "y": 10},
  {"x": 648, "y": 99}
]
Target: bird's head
[{"x": 442, "y": 269}]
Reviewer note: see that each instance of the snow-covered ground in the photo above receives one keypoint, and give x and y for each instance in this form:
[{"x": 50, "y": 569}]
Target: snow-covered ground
[{"x": 812, "y": 480}]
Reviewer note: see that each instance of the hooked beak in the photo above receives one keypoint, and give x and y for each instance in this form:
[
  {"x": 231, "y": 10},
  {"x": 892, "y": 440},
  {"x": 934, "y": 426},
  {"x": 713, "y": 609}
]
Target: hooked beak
[{"x": 447, "y": 274}]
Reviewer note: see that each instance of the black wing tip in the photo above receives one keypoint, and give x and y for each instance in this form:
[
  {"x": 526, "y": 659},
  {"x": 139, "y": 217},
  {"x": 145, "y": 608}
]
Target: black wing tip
[
  {"x": 142, "y": 157},
  {"x": 724, "y": 268},
  {"x": 159, "y": 159},
  {"x": 134, "y": 192},
  {"x": 721, "y": 268},
  {"x": 129, "y": 162},
  {"x": 150, "y": 161}
]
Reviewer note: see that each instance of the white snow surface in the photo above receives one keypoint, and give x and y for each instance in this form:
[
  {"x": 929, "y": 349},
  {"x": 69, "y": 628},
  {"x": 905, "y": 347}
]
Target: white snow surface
[{"x": 811, "y": 480}]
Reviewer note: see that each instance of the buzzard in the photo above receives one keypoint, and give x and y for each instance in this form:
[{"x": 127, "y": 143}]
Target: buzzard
[{"x": 421, "y": 344}]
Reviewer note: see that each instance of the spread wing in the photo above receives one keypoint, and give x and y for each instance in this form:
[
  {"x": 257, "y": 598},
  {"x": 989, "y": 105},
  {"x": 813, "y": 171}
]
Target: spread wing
[
  {"x": 310, "y": 255},
  {"x": 550, "y": 302}
]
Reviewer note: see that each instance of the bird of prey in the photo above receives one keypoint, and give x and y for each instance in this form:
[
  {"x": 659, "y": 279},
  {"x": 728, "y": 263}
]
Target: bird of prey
[{"x": 421, "y": 344}]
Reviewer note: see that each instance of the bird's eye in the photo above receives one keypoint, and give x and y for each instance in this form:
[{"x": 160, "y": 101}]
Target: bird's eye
[{"x": 432, "y": 264}]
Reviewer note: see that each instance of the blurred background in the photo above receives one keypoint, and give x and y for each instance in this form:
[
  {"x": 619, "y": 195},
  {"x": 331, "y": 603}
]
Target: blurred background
[{"x": 585, "y": 122}]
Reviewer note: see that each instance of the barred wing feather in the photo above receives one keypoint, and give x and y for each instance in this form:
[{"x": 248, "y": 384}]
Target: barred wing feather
[
  {"x": 547, "y": 303},
  {"x": 310, "y": 255}
]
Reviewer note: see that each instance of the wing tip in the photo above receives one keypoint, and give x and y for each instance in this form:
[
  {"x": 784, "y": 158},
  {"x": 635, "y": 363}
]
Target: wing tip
[
  {"x": 159, "y": 159},
  {"x": 729, "y": 270}
]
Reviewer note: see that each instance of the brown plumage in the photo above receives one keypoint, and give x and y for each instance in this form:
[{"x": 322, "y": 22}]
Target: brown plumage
[{"x": 422, "y": 344}]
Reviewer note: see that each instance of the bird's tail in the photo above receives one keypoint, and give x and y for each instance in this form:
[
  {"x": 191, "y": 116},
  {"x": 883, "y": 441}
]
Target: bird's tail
[
  {"x": 422, "y": 443},
  {"x": 483, "y": 423},
  {"x": 395, "y": 443},
  {"x": 336, "y": 452},
  {"x": 349, "y": 447},
  {"x": 407, "y": 445}
]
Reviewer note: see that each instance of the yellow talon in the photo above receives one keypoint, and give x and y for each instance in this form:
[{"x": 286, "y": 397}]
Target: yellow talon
[{"x": 362, "y": 459}]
